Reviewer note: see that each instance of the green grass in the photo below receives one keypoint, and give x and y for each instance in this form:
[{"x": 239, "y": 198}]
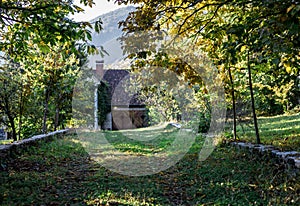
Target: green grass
[
  {"x": 7, "y": 141},
  {"x": 141, "y": 141},
  {"x": 62, "y": 173},
  {"x": 281, "y": 131}
]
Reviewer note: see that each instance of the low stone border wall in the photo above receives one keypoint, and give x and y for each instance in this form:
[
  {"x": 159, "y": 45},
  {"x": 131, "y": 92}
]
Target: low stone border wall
[
  {"x": 291, "y": 159},
  {"x": 8, "y": 150}
]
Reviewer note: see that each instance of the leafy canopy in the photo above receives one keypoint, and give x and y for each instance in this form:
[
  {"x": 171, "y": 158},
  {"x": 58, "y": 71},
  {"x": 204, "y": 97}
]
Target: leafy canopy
[{"x": 24, "y": 23}]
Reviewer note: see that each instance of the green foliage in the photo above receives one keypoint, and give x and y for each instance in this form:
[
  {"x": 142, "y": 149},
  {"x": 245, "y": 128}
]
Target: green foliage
[
  {"x": 104, "y": 104},
  {"x": 230, "y": 30},
  {"x": 204, "y": 121},
  {"x": 83, "y": 100},
  {"x": 42, "y": 89},
  {"x": 13, "y": 92},
  {"x": 204, "y": 113},
  {"x": 46, "y": 49},
  {"x": 173, "y": 88},
  {"x": 43, "y": 24}
]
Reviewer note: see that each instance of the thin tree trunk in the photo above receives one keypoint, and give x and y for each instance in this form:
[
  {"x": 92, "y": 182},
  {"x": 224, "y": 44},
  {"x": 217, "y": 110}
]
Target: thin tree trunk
[
  {"x": 11, "y": 120},
  {"x": 252, "y": 100},
  {"x": 46, "y": 109},
  {"x": 233, "y": 104},
  {"x": 20, "y": 114},
  {"x": 57, "y": 111},
  {"x": 13, "y": 127},
  {"x": 56, "y": 123}
]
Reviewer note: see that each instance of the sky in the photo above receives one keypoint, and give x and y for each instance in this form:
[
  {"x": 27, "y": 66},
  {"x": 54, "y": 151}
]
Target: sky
[{"x": 100, "y": 7}]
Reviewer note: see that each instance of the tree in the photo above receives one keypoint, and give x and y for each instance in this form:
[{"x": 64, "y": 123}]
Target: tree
[
  {"x": 171, "y": 76},
  {"x": 52, "y": 75},
  {"x": 42, "y": 23},
  {"x": 240, "y": 35},
  {"x": 48, "y": 47},
  {"x": 13, "y": 92}
]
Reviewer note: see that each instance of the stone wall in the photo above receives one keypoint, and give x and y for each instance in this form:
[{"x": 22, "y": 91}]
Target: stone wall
[
  {"x": 8, "y": 150},
  {"x": 290, "y": 159}
]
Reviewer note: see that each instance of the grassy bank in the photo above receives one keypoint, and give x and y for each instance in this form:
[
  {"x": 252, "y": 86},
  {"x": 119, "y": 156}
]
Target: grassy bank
[
  {"x": 281, "y": 131},
  {"x": 62, "y": 172}
]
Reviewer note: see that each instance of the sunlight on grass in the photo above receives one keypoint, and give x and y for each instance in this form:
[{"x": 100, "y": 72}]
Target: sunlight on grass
[
  {"x": 112, "y": 198},
  {"x": 281, "y": 131},
  {"x": 130, "y": 141},
  {"x": 7, "y": 141},
  {"x": 61, "y": 172},
  {"x": 123, "y": 152}
]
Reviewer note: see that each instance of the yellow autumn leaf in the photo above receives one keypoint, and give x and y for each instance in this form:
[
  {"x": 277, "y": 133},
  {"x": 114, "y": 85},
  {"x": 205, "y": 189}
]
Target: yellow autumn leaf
[
  {"x": 243, "y": 48},
  {"x": 290, "y": 8},
  {"x": 288, "y": 68},
  {"x": 57, "y": 9}
]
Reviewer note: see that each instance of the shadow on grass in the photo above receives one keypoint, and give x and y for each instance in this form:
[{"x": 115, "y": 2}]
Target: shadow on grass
[
  {"x": 62, "y": 173},
  {"x": 281, "y": 131}
]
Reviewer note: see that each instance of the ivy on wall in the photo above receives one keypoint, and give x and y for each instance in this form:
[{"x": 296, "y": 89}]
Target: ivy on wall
[{"x": 103, "y": 102}]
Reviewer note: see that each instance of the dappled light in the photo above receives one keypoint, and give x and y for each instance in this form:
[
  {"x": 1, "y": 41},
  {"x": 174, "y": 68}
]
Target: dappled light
[
  {"x": 155, "y": 103},
  {"x": 61, "y": 172},
  {"x": 282, "y": 131}
]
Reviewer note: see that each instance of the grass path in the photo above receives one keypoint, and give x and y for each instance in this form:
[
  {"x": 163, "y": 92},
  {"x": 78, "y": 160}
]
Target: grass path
[{"x": 63, "y": 173}]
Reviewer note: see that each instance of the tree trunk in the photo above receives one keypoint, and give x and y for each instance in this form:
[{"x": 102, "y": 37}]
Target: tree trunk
[
  {"x": 46, "y": 109},
  {"x": 57, "y": 111},
  {"x": 13, "y": 127},
  {"x": 20, "y": 114},
  {"x": 56, "y": 122},
  {"x": 252, "y": 99},
  {"x": 233, "y": 104},
  {"x": 11, "y": 120}
]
